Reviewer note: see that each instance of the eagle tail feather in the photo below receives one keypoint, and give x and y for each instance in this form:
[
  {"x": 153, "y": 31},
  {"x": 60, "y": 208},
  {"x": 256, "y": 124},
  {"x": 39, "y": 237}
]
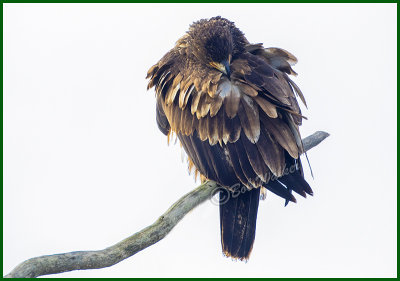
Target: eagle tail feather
[{"x": 238, "y": 216}]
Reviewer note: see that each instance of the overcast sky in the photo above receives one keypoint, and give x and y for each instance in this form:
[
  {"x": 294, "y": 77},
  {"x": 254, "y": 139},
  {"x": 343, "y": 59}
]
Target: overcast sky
[{"x": 85, "y": 165}]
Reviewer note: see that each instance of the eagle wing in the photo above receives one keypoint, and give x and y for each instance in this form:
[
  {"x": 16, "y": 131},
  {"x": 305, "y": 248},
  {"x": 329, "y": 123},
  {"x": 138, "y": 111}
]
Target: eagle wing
[{"x": 245, "y": 126}]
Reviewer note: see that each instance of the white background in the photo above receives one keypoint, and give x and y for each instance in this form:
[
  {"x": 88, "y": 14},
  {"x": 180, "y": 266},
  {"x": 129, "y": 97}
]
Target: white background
[{"x": 85, "y": 165}]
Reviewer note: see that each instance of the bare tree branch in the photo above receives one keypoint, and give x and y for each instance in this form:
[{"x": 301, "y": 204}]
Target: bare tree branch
[
  {"x": 314, "y": 140},
  {"x": 146, "y": 237}
]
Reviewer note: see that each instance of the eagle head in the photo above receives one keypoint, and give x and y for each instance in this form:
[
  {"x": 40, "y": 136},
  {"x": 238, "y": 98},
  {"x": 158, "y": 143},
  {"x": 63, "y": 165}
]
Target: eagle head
[{"x": 214, "y": 42}]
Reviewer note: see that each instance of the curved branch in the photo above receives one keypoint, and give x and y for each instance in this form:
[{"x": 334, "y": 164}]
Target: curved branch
[{"x": 148, "y": 236}]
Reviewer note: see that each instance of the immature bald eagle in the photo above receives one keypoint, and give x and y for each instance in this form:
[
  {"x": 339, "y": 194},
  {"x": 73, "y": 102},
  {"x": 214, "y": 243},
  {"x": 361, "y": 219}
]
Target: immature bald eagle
[{"x": 233, "y": 108}]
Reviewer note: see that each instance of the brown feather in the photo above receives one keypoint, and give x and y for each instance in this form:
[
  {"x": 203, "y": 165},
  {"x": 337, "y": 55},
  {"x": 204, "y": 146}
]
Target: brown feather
[
  {"x": 240, "y": 66},
  {"x": 212, "y": 90},
  {"x": 161, "y": 118},
  {"x": 204, "y": 106},
  {"x": 254, "y": 47},
  {"x": 189, "y": 94},
  {"x": 272, "y": 153},
  {"x": 250, "y": 91},
  {"x": 186, "y": 122},
  {"x": 168, "y": 112},
  {"x": 255, "y": 159},
  {"x": 176, "y": 120},
  {"x": 278, "y": 52},
  {"x": 281, "y": 132},
  {"x": 249, "y": 119},
  {"x": 295, "y": 131},
  {"x": 207, "y": 169},
  {"x": 231, "y": 95},
  {"x": 247, "y": 169},
  {"x": 231, "y": 129},
  {"x": 212, "y": 130},
  {"x": 163, "y": 83},
  {"x": 203, "y": 128},
  {"x": 151, "y": 71},
  {"x": 278, "y": 58},
  {"x": 205, "y": 84},
  {"x": 197, "y": 83},
  {"x": 266, "y": 106},
  {"x": 225, "y": 129},
  {"x": 276, "y": 187},
  {"x": 215, "y": 105},
  {"x": 275, "y": 89},
  {"x": 219, "y": 158},
  {"x": 173, "y": 90},
  {"x": 220, "y": 126},
  {"x": 195, "y": 101},
  {"x": 210, "y": 159},
  {"x": 233, "y": 155},
  {"x": 195, "y": 124},
  {"x": 297, "y": 90},
  {"x": 184, "y": 94}
]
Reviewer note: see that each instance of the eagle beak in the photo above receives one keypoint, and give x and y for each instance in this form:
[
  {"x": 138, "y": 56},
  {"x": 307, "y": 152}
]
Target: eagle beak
[{"x": 223, "y": 67}]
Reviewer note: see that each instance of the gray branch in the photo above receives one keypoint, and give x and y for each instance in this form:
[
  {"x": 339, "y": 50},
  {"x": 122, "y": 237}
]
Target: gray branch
[{"x": 148, "y": 236}]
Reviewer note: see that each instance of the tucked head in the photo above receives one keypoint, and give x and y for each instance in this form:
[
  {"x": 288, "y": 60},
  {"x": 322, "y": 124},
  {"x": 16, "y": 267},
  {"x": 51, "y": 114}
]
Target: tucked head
[{"x": 215, "y": 42}]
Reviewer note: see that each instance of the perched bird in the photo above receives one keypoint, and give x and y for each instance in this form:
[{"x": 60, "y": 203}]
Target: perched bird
[{"x": 233, "y": 108}]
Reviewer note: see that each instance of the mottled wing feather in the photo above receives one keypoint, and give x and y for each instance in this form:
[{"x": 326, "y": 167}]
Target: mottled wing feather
[
  {"x": 237, "y": 167},
  {"x": 232, "y": 129},
  {"x": 276, "y": 57},
  {"x": 215, "y": 105},
  {"x": 241, "y": 126},
  {"x": 213, "y": 136},
  {"x": 282, "y": 133},
  {"x": 296, "y": 89},
  {"x": 203, "y": 128},
  {"x": 249, "y": 118},
  {"x": 266, "y": 106},
  {"x": 255, "y": 159},
  {"x": 251, "y": 176},
  {"x": 271, "y": 152},
  {"x": 195, "y": 101}
]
